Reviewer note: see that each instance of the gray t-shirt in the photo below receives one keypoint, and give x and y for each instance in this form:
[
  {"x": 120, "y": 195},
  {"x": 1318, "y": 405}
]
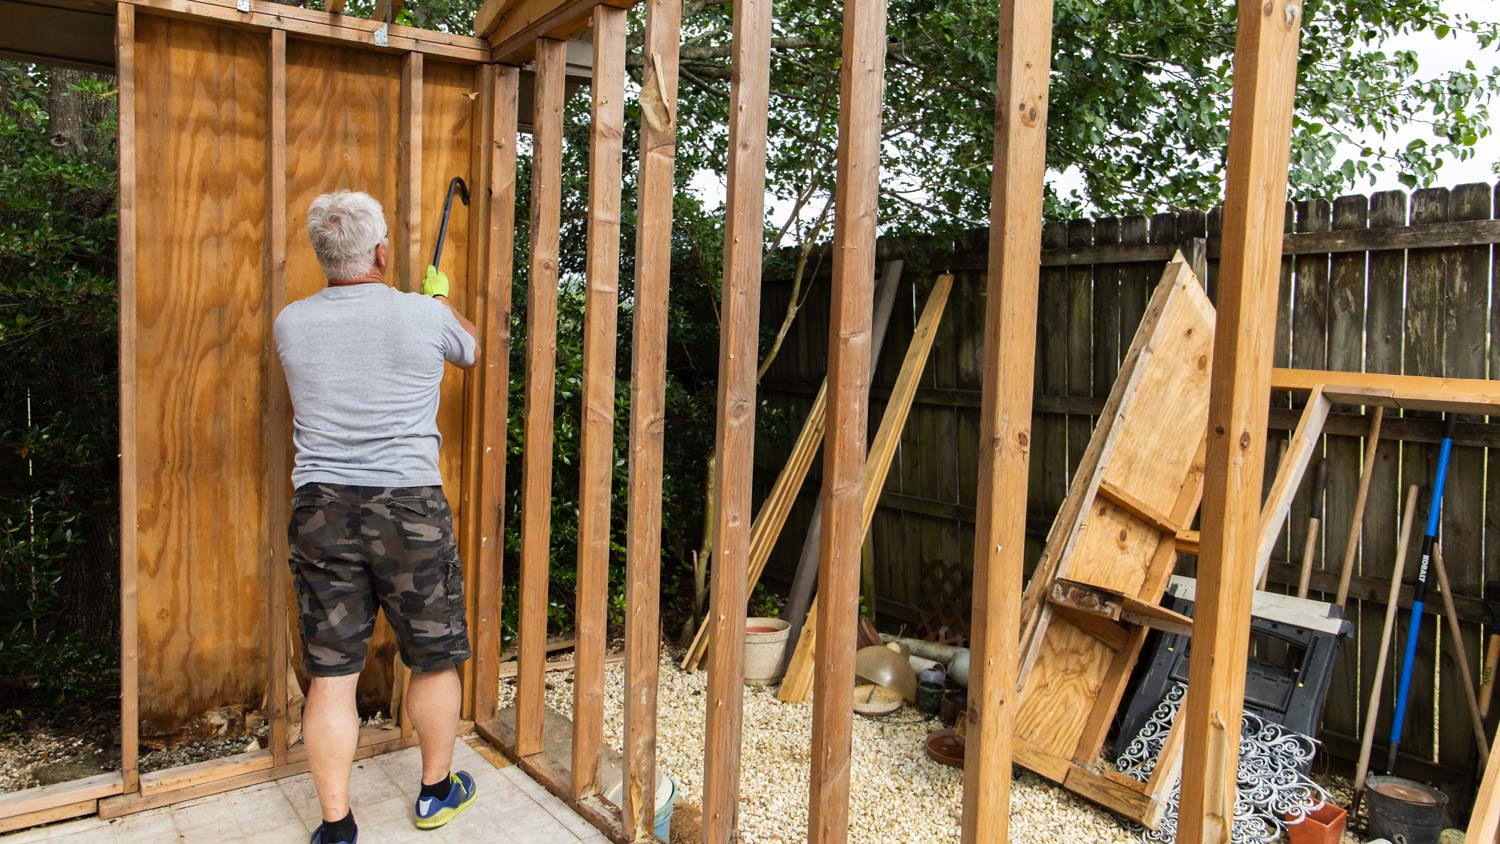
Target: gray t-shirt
[{"x": 364, "y": 364}]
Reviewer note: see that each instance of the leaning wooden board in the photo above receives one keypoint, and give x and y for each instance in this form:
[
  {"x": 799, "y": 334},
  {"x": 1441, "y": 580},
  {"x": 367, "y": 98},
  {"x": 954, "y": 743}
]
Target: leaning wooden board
[{"x": 1138, "y": 485}]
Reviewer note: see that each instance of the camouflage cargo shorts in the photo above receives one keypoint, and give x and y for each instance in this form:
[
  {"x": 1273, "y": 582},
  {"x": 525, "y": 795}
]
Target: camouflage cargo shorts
[{"x": 355, "y": 549}]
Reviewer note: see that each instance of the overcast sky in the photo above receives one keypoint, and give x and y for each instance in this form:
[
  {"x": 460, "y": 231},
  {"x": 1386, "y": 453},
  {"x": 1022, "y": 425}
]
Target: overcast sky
[{"x": 1436, "y": 58}]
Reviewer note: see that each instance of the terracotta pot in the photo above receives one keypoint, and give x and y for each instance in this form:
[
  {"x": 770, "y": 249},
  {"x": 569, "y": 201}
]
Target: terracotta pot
[
  {"x": 765, "y": 642},
  {"x": 1322, "y": 826}
]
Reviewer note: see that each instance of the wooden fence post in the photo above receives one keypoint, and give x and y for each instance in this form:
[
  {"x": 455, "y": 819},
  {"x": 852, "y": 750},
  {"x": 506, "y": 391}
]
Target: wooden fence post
[
  {"x": 1265, "y": 71},
  {"x": 1005, "y": 413}
]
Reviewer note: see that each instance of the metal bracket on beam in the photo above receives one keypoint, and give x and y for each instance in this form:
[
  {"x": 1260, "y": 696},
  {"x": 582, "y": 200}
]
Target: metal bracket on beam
[
  {"x": 242, "y": 5},
  {"x": 382, "y": 35}
]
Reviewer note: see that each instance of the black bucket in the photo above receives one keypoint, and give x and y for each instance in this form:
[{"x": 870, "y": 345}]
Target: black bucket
[{"x": 1406, "y": 812}]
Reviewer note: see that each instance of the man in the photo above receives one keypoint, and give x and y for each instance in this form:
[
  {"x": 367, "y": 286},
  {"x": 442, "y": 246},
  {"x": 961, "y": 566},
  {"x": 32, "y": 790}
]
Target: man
[{"x": 370, "y": 526}]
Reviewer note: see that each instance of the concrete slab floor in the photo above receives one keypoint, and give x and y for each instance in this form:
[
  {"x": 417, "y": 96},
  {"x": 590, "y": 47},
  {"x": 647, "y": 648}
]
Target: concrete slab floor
[{"x": 511, "y": 809}]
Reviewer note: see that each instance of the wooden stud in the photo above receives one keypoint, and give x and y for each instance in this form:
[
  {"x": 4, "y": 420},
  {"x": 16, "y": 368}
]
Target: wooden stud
[
  {"x": 1356, "y": 523},
  {"x": 314, "y": 25},
  {"x": 597, "y": 460},
  {"x": 30, "y": 806},
  {"x": 1299, "y": 453},
  {"x": 514, "y": 26},
  {"x": 648, "y": 384},
  {"x": 541, "y": 361},
  {"x": 1484, "y": 821},
  {"x": 1265, "y": 75},
  {"x": 406, "y": 245},
  {"x": 857, "y": 192},
  {"x": 500, "y": 247},
  {"x": 278, "y": 415},
  {"x": 336, "y": 7},
  {"x": 734, "y": 438},
  {"x": 1410, "y": 392},
  {"x": 477, "y": 294},
  {"x": 129, "y": 627},
  {"x": 1005, "y": 413}
]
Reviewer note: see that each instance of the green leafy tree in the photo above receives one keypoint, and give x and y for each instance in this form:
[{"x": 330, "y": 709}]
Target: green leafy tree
[{"x": 58, "y": 398}]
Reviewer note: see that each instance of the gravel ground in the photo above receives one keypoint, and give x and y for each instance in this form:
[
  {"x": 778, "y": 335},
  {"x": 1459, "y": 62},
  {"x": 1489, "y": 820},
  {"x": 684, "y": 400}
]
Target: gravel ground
[{"x": 896, "y": 792}]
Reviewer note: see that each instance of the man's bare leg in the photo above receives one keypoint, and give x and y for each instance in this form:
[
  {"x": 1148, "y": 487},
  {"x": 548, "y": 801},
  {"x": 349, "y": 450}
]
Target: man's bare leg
[
  {"x": 330, "y": 729},
  {"x": 432, "y": 704}
]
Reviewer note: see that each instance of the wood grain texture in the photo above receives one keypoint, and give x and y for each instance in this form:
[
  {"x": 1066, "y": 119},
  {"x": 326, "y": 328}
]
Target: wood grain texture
[
  {"x": 514, "y": 26},
  {"x": 1299, "y": 453},
  {"x": 201, "y": 508},
  {"x": 130, "y": 725},
  {"x": 277, "y": 422},
  {"x": 481, "y": 142},
  {"x": 345, "y": 103},
  {"x": 734, "y": 435},
  {"x": 1265, "y": 72},
  {"x": 449, "y": 108},
  {"x": 597, "y": 448},
  {"x": 648, "y": 384},
  {"x": 1005, "y": 415},
  {"x": 1153, "y": 459},
  {"x": 322, "y": 27},
  {"x": 857, "y": 194},
  {"x": 541, "y": 359},
  {"x": 406, "y": 239},
  {"x": 498, "y": 277}
]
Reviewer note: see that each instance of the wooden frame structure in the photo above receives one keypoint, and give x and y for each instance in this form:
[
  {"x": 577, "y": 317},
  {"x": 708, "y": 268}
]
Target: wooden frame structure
[{"x": 267, "y": 51}]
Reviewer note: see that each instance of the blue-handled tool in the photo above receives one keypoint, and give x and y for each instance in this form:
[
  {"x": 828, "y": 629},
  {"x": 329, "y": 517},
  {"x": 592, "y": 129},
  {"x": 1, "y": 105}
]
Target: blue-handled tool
[{"x": 1419, "y": 594}]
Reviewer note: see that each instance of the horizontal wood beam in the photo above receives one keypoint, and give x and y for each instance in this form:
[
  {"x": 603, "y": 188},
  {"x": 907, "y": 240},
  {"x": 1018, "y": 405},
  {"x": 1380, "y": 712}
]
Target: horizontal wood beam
[
  {"x": 513, "y": 26},
  {"x": 1410, "y": 392},
  {"x": 323, "y": 26},
  {"x": 1476, "y": 434},
  {"x": 29, "y": 804}
]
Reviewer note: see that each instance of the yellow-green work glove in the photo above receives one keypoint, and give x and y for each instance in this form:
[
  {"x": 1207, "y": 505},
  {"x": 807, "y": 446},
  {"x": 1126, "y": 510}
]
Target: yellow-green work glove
[{"x": 434, "y": 283}]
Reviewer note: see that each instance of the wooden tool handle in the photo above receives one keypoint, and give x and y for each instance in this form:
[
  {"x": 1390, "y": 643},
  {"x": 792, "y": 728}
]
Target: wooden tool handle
[{"x": 1487, "y": 679}]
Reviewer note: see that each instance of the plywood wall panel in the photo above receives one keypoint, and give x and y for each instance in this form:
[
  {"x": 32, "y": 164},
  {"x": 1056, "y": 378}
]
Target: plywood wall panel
[
  {"x": 447, "y": 132},
  {"x": 201, "y": 120},
  {"x": 343, "y": 120}
]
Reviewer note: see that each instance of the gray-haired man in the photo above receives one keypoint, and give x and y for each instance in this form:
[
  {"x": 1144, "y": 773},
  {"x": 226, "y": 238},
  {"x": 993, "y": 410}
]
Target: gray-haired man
[{"x": 370, "y": 527}]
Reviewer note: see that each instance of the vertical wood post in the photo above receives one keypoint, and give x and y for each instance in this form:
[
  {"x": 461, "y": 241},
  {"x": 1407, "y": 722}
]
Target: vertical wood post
[
  {"x": 857, "y": 194},
  {"x": 406, "y": 258},
  {"x": 277, "y": 419},
  {"x": 501, "y": 117},
  {"x": 130, "y": 726},
  {"x": 648, "y": 386},
  {"x": 597, "y": 451},
  {"x": 749, "y": 96},
  {"x": 1265, "y": 75},
  {"x": 541, "y": 361},
  {"x": 1005, "y": 411}
]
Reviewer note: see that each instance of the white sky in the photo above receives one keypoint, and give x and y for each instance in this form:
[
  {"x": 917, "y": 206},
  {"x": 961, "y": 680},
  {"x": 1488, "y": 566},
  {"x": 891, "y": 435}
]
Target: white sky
[{"x": 1435, "y": 58}]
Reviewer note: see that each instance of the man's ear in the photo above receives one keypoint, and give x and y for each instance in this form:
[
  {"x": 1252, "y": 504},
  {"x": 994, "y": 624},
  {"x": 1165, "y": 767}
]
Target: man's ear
[{"x": 381, "y": 255}]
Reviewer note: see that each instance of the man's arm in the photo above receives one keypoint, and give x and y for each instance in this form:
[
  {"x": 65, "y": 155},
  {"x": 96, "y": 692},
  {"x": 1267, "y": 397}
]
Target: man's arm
[{"x": 435, "y": 284}]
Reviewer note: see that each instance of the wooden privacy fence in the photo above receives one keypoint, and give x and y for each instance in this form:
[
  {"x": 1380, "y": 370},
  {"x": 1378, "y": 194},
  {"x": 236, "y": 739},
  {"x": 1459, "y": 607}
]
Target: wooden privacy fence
[{"x": 1389, "y": 283}]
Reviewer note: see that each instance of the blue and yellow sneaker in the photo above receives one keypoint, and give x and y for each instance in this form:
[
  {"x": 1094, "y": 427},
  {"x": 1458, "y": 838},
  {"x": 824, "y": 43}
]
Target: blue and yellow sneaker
[
  {"x": 433, "y": 813},
  {"x": 317, "y": 838}
]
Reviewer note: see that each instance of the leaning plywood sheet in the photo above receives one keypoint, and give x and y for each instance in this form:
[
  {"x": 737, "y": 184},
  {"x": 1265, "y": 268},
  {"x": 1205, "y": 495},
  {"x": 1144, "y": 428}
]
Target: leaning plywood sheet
[{"x": 1139, "y": 484}]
